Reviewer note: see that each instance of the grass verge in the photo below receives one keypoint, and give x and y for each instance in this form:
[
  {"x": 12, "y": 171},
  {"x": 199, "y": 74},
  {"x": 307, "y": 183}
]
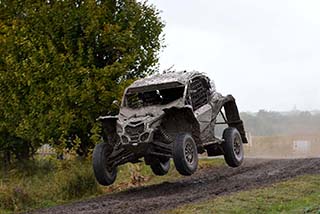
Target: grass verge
[{"x": 299, "y": 195}]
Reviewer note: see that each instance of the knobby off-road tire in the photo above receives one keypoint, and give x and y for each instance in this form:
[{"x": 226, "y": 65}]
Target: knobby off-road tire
[
  {"x": 104, "y": 174},
  {"x": 233, "y": 147},
  {"x": 185, "y": 155},
  {"x": 161, "y": 167}
]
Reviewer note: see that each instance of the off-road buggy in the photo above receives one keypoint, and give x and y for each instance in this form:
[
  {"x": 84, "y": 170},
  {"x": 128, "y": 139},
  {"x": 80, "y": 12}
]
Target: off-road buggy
[{"x": 171, "y": 115}]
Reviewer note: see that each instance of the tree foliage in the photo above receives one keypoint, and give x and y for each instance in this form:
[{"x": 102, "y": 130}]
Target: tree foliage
[{"x": 63, "y": 62}]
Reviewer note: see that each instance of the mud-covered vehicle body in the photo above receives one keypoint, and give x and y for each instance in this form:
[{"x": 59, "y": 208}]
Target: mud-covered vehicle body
[{"x": 165, "y": 116}]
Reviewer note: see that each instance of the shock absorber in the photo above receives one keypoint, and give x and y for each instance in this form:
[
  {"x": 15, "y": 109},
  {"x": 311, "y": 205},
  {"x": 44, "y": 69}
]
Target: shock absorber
[{"x": 165, "y": 135}]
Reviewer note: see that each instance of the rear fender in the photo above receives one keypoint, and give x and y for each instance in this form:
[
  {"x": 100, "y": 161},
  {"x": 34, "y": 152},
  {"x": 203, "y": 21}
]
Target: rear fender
[
  {"x": 233, "y": 116},
  {"x": 218, "y": 102}
]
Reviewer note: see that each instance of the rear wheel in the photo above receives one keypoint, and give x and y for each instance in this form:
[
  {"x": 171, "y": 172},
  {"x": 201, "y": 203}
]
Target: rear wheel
[
  {"x": 233, "y": 147},
  {"x": 185, "y": 155},
  {"x": 104, "y": 173},
  {"x": 161, "y": 167}
]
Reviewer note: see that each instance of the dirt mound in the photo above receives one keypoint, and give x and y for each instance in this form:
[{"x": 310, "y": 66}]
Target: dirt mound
[{"x": 205, "y": 184}]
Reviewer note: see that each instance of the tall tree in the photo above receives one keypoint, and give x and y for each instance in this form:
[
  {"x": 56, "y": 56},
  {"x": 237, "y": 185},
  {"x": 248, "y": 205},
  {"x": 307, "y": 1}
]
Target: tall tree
[{"x": 63, "y": 62}]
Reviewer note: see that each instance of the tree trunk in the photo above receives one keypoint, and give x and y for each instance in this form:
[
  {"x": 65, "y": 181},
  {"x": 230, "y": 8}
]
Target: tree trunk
[{"x": 6, "y": 163}]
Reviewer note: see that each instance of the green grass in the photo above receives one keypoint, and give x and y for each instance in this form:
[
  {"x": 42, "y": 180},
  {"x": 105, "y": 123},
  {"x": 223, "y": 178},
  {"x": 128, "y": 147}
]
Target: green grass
[
  {"x": 48, "y": 182},
  {"x": 299, "y": 195}
]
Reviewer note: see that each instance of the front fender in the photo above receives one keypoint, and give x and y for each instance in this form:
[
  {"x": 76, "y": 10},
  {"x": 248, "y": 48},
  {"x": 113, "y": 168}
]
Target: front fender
[
  {"x": 109, "y": 129},
  {"x": 185, "y": 116}
]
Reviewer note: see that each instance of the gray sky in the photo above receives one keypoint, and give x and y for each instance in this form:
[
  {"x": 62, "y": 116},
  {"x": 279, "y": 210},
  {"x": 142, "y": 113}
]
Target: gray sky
[{"x": 266, "y": 53}]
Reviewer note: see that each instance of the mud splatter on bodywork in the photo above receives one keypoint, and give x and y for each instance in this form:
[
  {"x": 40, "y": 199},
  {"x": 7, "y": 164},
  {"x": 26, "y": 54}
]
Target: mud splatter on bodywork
[{"x": 157, "y": 108}]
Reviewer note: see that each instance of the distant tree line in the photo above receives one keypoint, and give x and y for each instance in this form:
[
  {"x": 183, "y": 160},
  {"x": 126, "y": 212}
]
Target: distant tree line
[
  {"x": 63, "y": 62},
  {"x": 270, "y": 123}
]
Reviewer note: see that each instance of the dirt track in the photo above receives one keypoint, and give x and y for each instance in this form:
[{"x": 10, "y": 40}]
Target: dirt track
[{"x": 205, "y": 184}]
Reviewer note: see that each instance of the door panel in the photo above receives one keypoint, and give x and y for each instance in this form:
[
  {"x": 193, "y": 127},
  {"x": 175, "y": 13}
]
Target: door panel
[{"x": 204, "y": 116}]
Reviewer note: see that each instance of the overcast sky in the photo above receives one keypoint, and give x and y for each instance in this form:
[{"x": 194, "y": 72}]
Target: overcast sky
[{"x": 266, "y": 53}]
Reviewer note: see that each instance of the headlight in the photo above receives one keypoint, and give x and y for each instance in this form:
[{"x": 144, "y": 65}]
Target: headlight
[
  {"x": 144, "y": 136},
  {"x": 124, "y": 139}
]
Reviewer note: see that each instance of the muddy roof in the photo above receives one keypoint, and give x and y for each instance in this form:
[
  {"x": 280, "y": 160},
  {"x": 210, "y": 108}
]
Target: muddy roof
[{"x": 181, "y": 77}]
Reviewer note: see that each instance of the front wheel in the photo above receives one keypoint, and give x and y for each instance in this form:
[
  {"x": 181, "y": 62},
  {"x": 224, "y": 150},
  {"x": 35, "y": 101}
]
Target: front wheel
[
  {"x": 104, "y": 173},
  {"x": 185, "y": 155},
  {"x": 233, "y": 147}
]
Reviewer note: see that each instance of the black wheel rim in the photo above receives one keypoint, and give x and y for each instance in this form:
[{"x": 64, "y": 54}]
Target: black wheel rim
[
  {"x": 189, "y": 152},
  {"x": 164, "y": 165},
  {"x": 237, "y": 147}
]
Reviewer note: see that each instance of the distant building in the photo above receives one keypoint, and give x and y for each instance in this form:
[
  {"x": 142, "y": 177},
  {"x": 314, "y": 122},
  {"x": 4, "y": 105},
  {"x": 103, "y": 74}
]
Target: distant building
[{"x": 301, "y": 146}]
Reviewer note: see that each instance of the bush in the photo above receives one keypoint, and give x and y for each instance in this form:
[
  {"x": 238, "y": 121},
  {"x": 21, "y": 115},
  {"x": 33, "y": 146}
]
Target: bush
[
  {"x": 46, "y": 182},
  {"x": 33, "y": 167},
  {"x": 77, "y": 182},
  {"x": 15, "y": 198}
]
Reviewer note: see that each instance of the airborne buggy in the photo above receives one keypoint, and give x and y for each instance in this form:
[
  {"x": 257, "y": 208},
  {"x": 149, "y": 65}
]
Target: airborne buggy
[{"x": 171, "y": 115}]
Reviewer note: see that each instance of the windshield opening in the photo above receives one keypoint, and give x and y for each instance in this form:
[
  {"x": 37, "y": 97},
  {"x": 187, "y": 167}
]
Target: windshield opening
[{"x": 155, "y": 97}]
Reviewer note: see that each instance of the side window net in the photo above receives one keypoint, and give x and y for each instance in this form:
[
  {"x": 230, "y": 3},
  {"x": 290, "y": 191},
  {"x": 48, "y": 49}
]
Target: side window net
[{"x": 198, "y": 92}]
